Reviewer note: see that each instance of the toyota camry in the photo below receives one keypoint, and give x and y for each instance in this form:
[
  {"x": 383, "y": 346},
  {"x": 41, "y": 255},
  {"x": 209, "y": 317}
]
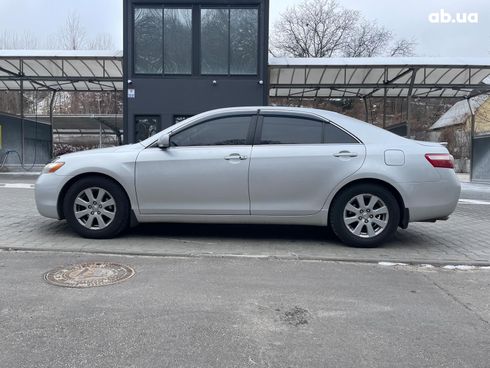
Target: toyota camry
[{"x": 260, "y": 165}]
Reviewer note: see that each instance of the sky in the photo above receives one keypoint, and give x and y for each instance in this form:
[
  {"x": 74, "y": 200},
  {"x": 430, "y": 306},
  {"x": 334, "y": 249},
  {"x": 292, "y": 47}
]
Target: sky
[{"x": 406, "y": 18}]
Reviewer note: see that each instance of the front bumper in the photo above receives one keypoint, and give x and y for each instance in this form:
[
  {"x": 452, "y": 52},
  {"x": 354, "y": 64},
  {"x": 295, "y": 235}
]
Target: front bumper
[{"x": 47, "y": 190}]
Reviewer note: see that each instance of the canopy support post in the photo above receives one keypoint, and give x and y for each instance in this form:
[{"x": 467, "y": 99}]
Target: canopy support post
[
  {"x": 22, "y": 132},
  {"x": 51, "y": 105},
  {"x": 366, "y": 109},
  {"x": 472, "y": 137},
  {"x": 384, "y": 109}
]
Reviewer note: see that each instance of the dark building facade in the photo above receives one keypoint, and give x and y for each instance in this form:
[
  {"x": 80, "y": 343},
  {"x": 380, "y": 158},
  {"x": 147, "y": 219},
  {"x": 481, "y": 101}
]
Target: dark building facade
[{"x": 185, "y": 57}]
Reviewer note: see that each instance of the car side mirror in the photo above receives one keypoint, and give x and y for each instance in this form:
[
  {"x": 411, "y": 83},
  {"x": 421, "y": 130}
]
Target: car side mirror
[{"x": 164, "y": 141}]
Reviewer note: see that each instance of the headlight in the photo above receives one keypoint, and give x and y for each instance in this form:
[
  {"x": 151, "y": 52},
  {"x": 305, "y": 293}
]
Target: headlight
[{"x": 52, "y": 167}]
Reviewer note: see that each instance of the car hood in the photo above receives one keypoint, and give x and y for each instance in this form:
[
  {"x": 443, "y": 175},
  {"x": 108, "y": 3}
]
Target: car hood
[{"x": 98, "y": 151}]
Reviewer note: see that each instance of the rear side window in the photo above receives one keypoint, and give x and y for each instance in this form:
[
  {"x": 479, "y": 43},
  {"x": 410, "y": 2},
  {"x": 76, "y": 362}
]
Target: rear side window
[
  {"x": 332, "y": 134},
  {"x": 231, "y": 130},
  {"x": 291, "y": 130}
]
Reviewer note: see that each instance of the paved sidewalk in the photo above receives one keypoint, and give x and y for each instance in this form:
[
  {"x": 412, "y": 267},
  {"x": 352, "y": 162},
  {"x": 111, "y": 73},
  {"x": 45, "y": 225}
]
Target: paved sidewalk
[{"x": 463, "y": 239}]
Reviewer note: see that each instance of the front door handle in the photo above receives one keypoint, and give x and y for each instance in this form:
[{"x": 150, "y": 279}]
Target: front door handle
[
  {"x": 345, "y": 154},
  {"x": 235, "y": 156}
]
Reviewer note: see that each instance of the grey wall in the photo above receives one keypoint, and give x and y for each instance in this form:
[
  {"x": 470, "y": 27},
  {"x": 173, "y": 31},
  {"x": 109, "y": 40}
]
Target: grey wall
[
  {"x": 168, "y": 96},
  {"x": 37, "y": 141},
  {"x": 480, "y": 168}
]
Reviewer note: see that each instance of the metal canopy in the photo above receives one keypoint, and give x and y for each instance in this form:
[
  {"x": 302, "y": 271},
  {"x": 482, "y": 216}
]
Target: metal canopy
[
  {"x": 30, "y": 70},
  {"x": 289, "y": 77},
  {"x": 378, "y": 77}
]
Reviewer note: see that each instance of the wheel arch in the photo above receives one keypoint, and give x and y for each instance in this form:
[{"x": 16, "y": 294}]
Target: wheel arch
[
  {"x": 69, "y": 183},
  {"x": 404, "y": 212}
]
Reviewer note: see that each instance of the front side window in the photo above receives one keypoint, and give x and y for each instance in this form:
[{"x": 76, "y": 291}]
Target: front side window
[
  {"x": 229, "y": 41},
  {"x": 291, "y": 130},
  {"x": 217, "y": 132},
  {"x": 148, "y": 41}
]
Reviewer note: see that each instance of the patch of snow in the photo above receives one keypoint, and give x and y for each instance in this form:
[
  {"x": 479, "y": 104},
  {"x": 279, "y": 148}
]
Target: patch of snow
[
  {"x": 473, "y": 201},
  {"x": 459, "y": 267},
  {"x": 392, "y": 264}
]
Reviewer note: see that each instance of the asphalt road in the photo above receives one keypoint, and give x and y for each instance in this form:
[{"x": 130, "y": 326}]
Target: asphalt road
[{"x": 210, "y": 312}]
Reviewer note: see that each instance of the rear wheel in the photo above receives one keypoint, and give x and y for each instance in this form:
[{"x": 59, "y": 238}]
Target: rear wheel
[
  {"x": 364, "y": 215},
  {"x": 96, "y": 207}
]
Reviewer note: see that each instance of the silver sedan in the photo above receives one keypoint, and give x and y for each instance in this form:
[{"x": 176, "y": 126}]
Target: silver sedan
[{"x": 261, "y": 165}]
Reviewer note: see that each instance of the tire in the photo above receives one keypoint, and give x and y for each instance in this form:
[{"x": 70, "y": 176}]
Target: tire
[
  {"x": 364, "y": 225},
  {"x": 103, "y": 215}
]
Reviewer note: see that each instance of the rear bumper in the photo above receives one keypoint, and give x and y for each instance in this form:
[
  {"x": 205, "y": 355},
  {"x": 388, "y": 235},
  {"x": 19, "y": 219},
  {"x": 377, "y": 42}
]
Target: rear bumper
[
  {"x": 432, "y": 200},
  {"x": 47, "y": 190}
]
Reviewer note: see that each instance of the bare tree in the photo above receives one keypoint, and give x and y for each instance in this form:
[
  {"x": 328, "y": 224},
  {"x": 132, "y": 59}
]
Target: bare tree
[
  {"x": 367, "y": 39},
  {"x": 322, "y": 28},
  {"x": 72, "y": 35},
  {"x": 13, "y": 41},
  {"x": 403, "y": 47},
  {"x": 103, "y": 41},
  {"x": 313, "y": 28}
]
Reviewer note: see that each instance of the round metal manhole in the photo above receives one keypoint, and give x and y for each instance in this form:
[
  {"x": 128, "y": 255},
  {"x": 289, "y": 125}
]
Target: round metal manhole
[{"x": 85, "y": 275}]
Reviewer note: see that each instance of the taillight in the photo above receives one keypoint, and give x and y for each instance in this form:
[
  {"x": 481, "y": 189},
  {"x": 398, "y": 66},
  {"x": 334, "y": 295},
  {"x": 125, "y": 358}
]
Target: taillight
[{"x": 442, "y": 160}]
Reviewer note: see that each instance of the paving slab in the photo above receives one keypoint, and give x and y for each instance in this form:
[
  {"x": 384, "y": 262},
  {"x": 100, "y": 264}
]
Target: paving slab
[{"x": 463, "y": 239}]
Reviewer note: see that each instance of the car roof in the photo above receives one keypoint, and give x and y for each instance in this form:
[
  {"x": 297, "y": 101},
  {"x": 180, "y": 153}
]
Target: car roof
[{"x": 367, "y": 133}]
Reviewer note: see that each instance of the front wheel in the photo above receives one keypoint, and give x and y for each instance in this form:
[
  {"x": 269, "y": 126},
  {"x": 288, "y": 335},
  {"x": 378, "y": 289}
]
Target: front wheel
[
  {"x": 96, "y": 207},
  {"x": 364, "y": 215}
]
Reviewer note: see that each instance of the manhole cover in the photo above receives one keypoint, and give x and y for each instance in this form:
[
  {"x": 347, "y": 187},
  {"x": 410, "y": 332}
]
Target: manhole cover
[{"x": 85, "y": 275}]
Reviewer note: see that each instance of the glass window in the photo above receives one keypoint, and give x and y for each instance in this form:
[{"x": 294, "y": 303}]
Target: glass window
[
  {"x": 177, "y": 41},
  {"x": 224, "y": 131},
  {"x": 290, "y": 130},
  {"x": 146, "y": 126},
  {"x": 332, "y": 134},
  {"x": 148, "y": 41},
  {"x": 243, "y": 41},
  {"x": 229, "y": 41},
  {"x": 214, "y": 41}
]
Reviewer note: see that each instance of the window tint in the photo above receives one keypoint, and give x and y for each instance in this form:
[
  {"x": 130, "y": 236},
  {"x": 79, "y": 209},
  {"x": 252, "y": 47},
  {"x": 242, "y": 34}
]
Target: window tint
[
  {"x": 229, "y": 41},
  {"x": 177, "y": 43},
  {"x": 243, "y": 38},
  {"x": 332, "y": 134},
  {"x": 162, "y": 41},
  {"x": 224, "y": 131},
  {"x": 214, "y": 41},
  {"x": 148, "y": 41},
  {"x": 146, "y": 126},
  {"x": 290, "y": 130}
]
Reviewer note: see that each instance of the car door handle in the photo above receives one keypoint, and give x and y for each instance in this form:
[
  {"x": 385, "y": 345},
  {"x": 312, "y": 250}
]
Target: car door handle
[
  {"x": 345, "y": 154},
  {"x": 235, "y": 156}
]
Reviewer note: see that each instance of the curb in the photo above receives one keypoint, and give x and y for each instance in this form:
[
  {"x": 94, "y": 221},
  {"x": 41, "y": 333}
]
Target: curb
[{"x": 421, "y": 262}]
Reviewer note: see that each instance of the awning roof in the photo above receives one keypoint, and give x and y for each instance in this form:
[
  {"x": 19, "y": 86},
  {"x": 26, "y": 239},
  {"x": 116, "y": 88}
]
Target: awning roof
[
  {"x": 61, "y": 70},
  {"x": 289, "y": 77},
  {"x": 364, "y": 77}
]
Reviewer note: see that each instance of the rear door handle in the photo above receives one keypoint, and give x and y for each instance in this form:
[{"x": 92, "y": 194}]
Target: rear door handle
[
  {"x": 235, "y": 156},
  {"x": 345, "y": 154}
]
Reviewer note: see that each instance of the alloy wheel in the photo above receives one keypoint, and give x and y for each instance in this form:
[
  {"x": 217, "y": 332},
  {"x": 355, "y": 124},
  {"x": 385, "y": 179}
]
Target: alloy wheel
[
  {"x": 366, "y": 215},
  {"x": 94, "y": 208}
]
